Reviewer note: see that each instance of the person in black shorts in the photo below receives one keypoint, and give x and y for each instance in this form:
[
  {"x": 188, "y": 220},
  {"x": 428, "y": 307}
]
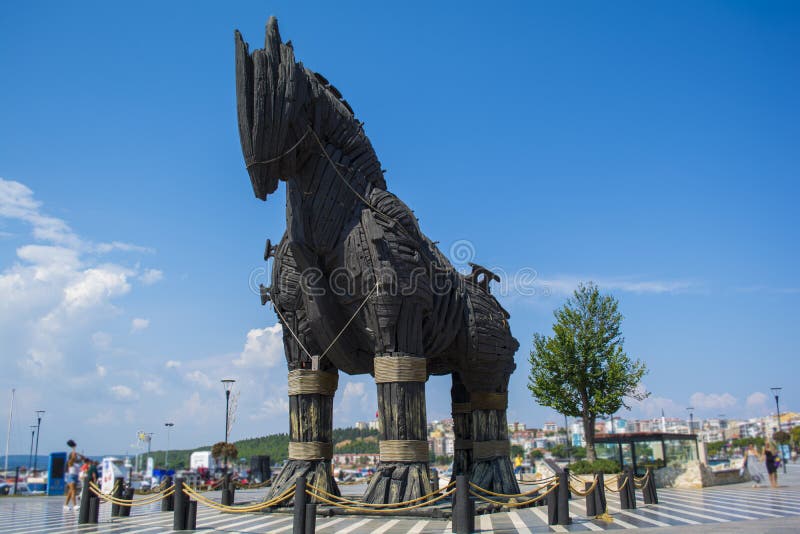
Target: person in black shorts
[{"x": 772, "y": 468}]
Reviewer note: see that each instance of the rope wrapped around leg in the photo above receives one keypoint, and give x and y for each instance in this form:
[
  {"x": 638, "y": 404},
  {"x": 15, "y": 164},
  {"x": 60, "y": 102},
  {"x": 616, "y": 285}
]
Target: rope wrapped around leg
[
  {"x": 400, "y": 369},
  {"x": 308, "y": 382},
  {"x": 403, "y": 450},
  {"x": 310, "y": 450}
]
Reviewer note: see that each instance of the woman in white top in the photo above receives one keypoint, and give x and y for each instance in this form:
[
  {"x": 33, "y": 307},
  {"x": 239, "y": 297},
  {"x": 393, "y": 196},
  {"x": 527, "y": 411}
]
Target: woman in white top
[{"x": 71, "y": 476}]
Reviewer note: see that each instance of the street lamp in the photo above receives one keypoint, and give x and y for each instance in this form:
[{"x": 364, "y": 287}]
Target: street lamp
[
  {"x": 166, "y": 454},
  {"x": 690, "y": 409},
  {"x": 39, "y": 414},
  {"x": 30, "y": 456},
  {"x": 227, "y": 383},
  {"x": 777, "y": 392}
]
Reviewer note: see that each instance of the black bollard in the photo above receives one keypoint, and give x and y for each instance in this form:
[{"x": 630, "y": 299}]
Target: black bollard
[
  {"x": 94, "y": 509},
  {"x": 125, "y": 511},
  {"x": 179, "y": 514},
  {"x": 191, "y": 515},
  {"x": 463, "y": 507},
  {"x": 631, "y": 487},
  {"x": 83, "y": 513},
  {"x": 167, "y": 503},
  {"x": 311, "y": 518},
  {"x": 649, "y": 490},
  {"x": 600, "y": 494},
  {"x": 591, "y": 503},
  {"x": 300, "y": 501},
  {"x": 563, "y": 498},
  {"x": 117, "y": 494},
  {"x": 552, "y": 507},
  {"x": 624, "y": 495}
]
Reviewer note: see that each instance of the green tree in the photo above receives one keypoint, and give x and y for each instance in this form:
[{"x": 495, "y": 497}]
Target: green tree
[
  {"x": 796, "y": 434},
  {"x": 536, "y": 454},
  {"x": 516, "y": 450},
  {"x": 582, "y": 370}
]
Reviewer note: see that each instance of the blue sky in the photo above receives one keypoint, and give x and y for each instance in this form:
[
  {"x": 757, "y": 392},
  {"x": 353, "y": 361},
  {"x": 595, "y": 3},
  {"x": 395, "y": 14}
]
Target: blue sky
[{"x": 651, "y": 148}]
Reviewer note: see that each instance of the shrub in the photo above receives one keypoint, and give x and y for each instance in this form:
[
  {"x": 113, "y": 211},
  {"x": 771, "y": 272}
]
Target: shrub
[{"x": 585, "y": 467}]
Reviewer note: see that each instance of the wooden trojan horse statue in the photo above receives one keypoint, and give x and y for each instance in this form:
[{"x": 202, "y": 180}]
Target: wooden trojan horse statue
[{"x": 358, "y": 288}]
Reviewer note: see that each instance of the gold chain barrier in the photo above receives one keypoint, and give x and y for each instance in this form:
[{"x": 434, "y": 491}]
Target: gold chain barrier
[
  {"x": 130, "y": 502},
  {"x": 617, "y": 490},
  {"x": 579, "y": 492},
  {"x": 364, "y": 509},
  {"x": 238, "y": 509},
  {"x": 642, "y": 482},
  {"x": 512, "y": 504},
  {"x": 543, "y": 482},
  {"x": 339, "y": 499}
]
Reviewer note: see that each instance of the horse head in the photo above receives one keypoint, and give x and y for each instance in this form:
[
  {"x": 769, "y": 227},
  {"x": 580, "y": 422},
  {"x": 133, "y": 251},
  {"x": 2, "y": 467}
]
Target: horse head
[
  {"x": 271, "y": 97},
  {"x": 288, "y": 112}
]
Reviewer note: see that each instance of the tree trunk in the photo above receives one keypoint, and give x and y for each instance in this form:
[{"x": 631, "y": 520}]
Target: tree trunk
[{"x": 588, "y": 432}]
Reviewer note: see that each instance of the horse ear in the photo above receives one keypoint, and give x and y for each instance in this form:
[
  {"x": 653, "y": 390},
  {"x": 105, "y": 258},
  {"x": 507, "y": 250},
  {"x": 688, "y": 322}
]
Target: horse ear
[{"x": 272, "y": 40}]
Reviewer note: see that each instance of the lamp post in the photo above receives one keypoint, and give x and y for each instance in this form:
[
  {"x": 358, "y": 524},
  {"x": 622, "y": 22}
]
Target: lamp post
[
  {"x": 30, "y": 456},
  {"x": 39, "y": 414},
  {"x": 166, "y": 454},
  {"x": 777, "y": 392},
  {"x": 227, "y": 383},
  {"x": 690, "y": 409}
]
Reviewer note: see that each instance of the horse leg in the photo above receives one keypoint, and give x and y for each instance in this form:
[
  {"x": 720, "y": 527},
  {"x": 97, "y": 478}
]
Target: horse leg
[
  {"x": 491, "y": 464},
  {"x": 402, "y": 473},
  {"x": 311, "y": 393},
  {"x": 462, "y": 427}
]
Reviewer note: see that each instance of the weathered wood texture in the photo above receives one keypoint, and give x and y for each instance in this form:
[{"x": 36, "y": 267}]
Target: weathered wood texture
[
  {"x": 310, "y": 419},
  {"x": 346, "y": 235},
  {"x": 462, "y": 428},
  {"x": 497, "y": 473},
  {"x": 401, "y": 409}
]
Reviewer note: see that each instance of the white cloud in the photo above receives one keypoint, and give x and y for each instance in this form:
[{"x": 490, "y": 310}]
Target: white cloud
[
  {"x": 139, "y": 324},
  {"x": 272, "y": 407},
  {"x": 756, "y": 401},
  {"x": 653, "y": 406},
  {"x": 200, "y": 378},
  {"x": 123, "y": 393},
  {"x": 172, "y": 364},
  {"x": 103, "y": 417},
  {"x": 153, "y": 386},
  {"x": 712, "y": 401},
  {"x": 101, "y": 371},
  {"x": 262, "y": 348},
  {"x": 54, "y": 292},
  {"x": 104, "y": 248},
  {"x": 355, "y": 390},
  {"x": 151, "y": 276},
  {"x": 101, "y": 340},
  {"x": 17, "y": 202}
]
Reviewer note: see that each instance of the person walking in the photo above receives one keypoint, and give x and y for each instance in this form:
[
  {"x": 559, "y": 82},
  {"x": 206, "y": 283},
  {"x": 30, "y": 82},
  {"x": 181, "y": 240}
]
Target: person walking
[
  {"x": 754, "y": 464},
  {"x": 771, "y": 464},
  {"x": 71, "y": 477}
]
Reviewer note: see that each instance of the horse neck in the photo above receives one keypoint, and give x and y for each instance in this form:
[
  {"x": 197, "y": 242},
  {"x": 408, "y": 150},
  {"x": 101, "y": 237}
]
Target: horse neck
[{"x": 321, "y": 201}]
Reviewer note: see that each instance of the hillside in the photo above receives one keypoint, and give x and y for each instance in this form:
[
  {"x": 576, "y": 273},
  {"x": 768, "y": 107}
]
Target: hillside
[{"x": 276, "y": 446}]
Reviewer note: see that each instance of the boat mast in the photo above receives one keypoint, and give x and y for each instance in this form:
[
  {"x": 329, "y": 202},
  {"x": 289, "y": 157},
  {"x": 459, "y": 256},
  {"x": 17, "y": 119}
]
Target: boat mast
[{"x": 8, "y": 434}]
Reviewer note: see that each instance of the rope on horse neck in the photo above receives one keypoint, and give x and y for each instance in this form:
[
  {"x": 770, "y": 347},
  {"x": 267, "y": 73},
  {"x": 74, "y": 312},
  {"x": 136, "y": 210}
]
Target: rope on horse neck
[{"x": 277, "y": 158}]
